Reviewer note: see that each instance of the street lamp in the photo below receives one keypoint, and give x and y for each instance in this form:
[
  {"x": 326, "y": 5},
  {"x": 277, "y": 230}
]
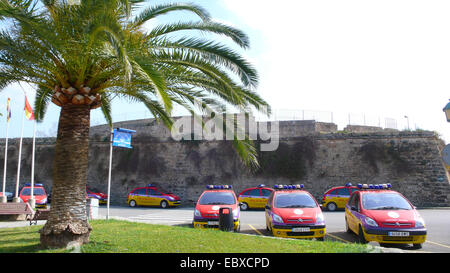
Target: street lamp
[
  {"x": 407, "y": 120},
  {"x": 447, "y": 111}
]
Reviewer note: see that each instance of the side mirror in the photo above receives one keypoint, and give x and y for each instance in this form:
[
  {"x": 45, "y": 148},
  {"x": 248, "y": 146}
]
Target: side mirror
[
  {"x": 353, "y": 208},
  {"x": 195, "y": 204}
]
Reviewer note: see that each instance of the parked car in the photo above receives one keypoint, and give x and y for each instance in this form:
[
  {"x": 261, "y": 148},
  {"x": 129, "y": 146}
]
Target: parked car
[
  {"x": 377, "y": 213},
  {"x": 336, "y": 197},
  {"x": 39, "y": 193},
  {"x": 96, "y": 193},
  {"x": 254, "y": 198},
  {"x": 9, "y": 195},
  {"x": 292, "y": 212},
  {"x": 151, "y": 196},
  {"x": 207, "y": 208}
]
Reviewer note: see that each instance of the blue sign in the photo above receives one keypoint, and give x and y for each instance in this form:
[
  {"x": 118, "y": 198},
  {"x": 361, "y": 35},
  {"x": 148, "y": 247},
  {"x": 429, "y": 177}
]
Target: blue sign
[{"x": 122, "y": 137}]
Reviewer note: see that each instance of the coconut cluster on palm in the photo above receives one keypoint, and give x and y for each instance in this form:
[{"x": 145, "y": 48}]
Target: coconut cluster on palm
[{"x": 81, "y": 56}]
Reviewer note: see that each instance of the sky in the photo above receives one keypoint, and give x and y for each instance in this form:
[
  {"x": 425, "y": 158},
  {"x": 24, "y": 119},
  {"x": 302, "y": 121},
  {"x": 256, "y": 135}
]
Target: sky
[{"x": 344, "y": 61}]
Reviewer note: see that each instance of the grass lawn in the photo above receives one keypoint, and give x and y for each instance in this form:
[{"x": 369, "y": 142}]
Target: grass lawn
[{"x": 116, "y": 236}]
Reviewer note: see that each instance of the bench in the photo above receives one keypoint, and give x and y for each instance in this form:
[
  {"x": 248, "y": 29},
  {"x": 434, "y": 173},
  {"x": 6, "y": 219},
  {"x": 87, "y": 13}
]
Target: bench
[
  {"x": 40, "y": 214},
  {"x": 16, "y": 209}
]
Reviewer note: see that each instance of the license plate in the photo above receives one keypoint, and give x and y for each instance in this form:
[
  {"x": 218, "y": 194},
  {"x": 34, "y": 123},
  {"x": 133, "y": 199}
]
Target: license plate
[
  {"x": 396, "y": 233},
  {"x": 213, "y": 223},
  {"x": 300, "y": 229}
]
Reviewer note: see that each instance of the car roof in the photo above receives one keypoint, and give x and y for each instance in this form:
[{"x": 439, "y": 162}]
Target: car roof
[
  {"x": 378, "y": 191},
  {"x": 218, "y": 190},
  {"x": 253, "y": 188}
]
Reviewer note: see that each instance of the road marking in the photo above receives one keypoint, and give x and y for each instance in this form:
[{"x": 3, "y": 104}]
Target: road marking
[
  {"x": 256, "y": 230},
  {"x": 338, "y": 238},
  {"x": 438, "y": 244}
]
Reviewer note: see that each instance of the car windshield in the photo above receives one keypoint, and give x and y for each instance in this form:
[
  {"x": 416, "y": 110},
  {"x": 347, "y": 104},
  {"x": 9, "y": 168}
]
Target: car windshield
[
  {"x": 217, "y": 198},
  {"x": 385, "y": 201},
  {"x": 36, "y": 191},
  {"x": 294, "y": 200},
  {"x": 93, "y": 189}
]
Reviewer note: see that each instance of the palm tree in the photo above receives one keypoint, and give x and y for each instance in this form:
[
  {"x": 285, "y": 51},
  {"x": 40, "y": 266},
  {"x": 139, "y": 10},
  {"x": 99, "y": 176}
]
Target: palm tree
[{"x": 82, "y": 55}]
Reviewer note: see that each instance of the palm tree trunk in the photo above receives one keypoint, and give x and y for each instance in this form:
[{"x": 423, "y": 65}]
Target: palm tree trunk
[{"x": 67, "y": 222}]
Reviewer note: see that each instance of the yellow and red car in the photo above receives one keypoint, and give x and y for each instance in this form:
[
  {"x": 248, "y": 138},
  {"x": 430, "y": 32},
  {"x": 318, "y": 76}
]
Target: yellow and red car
[
  {"x": 39, "y": 194},
  {"x": 215, "y": 197},
  {"x": 254, "y": 198},
  {"x": 376, "y": 213},
  {"x": 336, "y": 198},
  {"x": 292, "y": 212},
  {"x": 151, "y": 196}
]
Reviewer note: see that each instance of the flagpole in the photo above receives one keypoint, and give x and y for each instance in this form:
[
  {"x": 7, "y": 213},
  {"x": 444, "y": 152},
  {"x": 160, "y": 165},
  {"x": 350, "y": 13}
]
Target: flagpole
[
  {"x": 109, "y": 174},
  {"x": 16, "y": 197},
  {"x": 32, "y": 201},
  {"x": 4, "y": 198}
]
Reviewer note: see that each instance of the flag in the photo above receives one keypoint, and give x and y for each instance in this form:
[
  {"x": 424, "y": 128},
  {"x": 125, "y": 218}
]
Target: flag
[
  {"x": 28, "y": 110},
  {"x": 8, "y": 110}
]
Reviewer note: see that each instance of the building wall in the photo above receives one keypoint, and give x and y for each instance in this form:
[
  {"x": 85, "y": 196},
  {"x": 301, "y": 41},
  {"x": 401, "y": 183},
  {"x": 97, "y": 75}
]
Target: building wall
[{"x": 410, "y": 161}]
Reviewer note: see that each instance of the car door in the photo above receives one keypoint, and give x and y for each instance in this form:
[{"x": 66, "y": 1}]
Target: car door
[
  {"x": 265, "y": 196},
  {"x": 255, "y": 198},
  {"x": 141, "y": 196},
  {"x": 342, "y": 197},
  {"x": 268, "y": 211},
  {"x": 352, "y": 212}
]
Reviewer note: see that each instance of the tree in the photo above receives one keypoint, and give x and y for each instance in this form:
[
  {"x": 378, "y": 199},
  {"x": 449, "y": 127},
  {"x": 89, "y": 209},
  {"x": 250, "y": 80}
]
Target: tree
[{"x": 80, "y": 56}]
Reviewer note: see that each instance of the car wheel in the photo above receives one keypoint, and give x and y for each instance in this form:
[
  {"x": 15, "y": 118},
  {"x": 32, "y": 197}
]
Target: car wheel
[
  {"x": 417, "y": 246},
  {"x": 238, "y": 229},
  {"x": 164, "y": 204},
  {"x": 331, "y": 206},
  {"x": 132, "y": 203},
  {"x": 362, "y": 239},
  {"x": 244, "y": 206}
]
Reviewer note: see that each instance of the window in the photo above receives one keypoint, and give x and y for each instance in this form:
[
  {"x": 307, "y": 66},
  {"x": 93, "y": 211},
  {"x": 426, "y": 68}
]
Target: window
[
  {"x": 142, "y": 191},
  {"x": 254, "y": 192},
  {"x": 333, "y": 192},
  {"x": 294, "y": 200},
  {"x": 382, "y": 201},
  {"x": 353, "y": 190},
  {"x": 246, "y": 193},
  {"x": 266, "y": 192},
  {"x": 217, "y": 198},
  {"x": 153, "y": 192},
  {"x": 343, "y": 191},
  {"x": 36, "y": 191}
]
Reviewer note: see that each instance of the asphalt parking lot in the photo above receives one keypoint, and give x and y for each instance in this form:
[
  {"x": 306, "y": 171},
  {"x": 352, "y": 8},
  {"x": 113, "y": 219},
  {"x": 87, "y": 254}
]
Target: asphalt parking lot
[{"x": 253, "y": 222}]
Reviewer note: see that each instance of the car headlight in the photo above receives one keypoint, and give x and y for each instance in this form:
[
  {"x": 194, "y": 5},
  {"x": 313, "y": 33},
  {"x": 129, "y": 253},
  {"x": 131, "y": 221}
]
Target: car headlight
[
  {"x": 370, "y": 222},
  {"x": 420, "y": 223},
  {"x": 197, "y": 213},
  {"x": 170, "y": 198},
  {"x": 320, "y": 218},
  {"x": 277, "y": 218},
  {"x": 236, "y": 213}
]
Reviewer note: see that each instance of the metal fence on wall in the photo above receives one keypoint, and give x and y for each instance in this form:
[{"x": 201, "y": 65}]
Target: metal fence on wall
[{"x": 341, "y": 119}]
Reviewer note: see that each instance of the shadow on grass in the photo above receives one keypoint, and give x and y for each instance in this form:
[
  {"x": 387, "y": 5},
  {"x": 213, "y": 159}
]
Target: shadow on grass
[{"x": 22, "y": 249}]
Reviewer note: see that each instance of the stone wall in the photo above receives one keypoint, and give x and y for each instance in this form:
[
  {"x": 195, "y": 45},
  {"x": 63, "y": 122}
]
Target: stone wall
[{"x": 410, "y": 161}]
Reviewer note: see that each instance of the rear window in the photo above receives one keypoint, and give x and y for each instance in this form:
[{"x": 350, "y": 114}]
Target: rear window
[
  {"x": 385, "y": 201},
  {"x": 294, "y": 200},
  {"x": 217, "y": 198}
]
